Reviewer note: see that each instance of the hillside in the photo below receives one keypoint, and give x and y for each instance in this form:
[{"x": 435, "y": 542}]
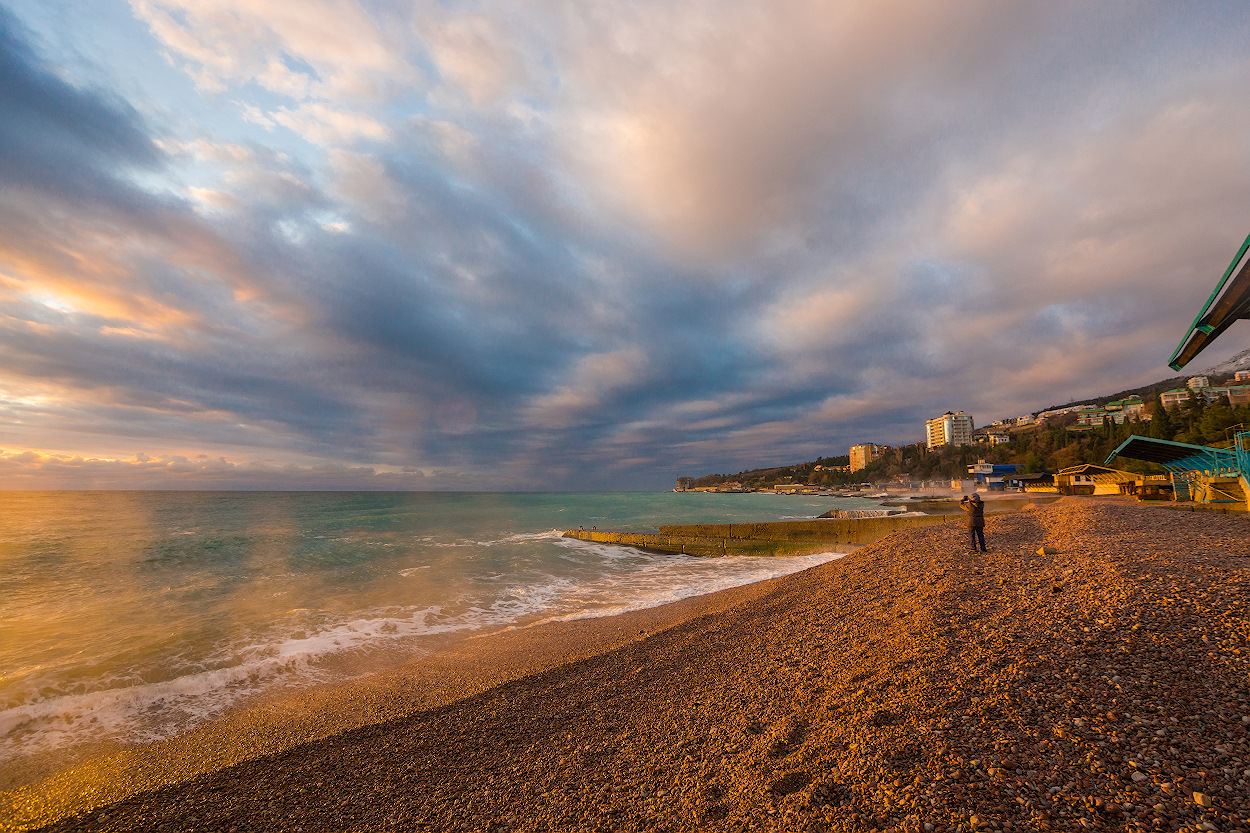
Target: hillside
[
  {"x": 1056, "y": 444},
  {"x": 1219, "y": 374}
]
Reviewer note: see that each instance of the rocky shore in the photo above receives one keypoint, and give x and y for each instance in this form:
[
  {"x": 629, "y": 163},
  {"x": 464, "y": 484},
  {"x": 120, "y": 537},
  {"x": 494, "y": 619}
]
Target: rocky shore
[{"x": 1092, "y": 671}]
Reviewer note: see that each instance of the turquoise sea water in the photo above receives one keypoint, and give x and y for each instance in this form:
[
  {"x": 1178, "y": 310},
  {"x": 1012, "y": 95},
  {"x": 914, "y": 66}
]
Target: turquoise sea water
[{"x": 130, "y": 616}]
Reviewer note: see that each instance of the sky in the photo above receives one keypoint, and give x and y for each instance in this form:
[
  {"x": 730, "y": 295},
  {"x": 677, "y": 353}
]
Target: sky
[{"x": 551, "y": 244}]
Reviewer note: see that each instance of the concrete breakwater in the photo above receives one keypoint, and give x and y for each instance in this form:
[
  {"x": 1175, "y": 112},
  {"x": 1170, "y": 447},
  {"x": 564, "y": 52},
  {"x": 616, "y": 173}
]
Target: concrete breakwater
[
  {"x": 773, "y": 538},
  {"x": 950, "y": 505},
  {"x": 787, "y": 537}
]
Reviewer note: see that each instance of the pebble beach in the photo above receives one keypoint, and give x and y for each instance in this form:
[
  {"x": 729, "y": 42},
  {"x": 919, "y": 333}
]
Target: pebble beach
[{"x": 1092, "y": 671}]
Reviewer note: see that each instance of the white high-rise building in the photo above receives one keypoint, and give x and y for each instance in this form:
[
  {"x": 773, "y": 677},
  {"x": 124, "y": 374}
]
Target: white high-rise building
[{"x": 951, "y": 428}]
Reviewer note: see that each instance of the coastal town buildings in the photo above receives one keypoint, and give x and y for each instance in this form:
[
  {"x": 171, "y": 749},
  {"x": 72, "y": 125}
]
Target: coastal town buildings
[
  {"x": 991, "y": 438},
  {"x": 1174, "y": 397},
  {"x": 1237, "y": 394},
  {"x": 1118, "y": 411},
  {"x": 1132, "y": 407},
  {"x": 1241, "y": 376},
  {"x": 1198, "y": 382},
  {"x": 865, "y": 453},
  {"x": 951, "y": 428},
  {"x": 1058, "y": 412}
]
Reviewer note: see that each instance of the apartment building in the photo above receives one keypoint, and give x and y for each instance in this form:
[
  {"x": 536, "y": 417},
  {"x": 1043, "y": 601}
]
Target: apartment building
[
  {"x": 951, "y": 428},
  {"x": 1174, "y": 398},
  {"x": 865, "y": 453},
  {"x": 1237, "y": 395}
]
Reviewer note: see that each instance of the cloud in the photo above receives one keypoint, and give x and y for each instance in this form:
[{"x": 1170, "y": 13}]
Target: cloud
[
  {"x": 331, "y": 49},
  {"x": 38, "y": 470},
  {"x": 596, "y": 380},
  {"x": 362, "y": 181},
  {"x": 714, "y": 123},
  {"x": 475, "y": 54},
  {"x": 325, "y": 125},
  {"x": 570, "y": 245},
  {"x": 57, "y": 136}
]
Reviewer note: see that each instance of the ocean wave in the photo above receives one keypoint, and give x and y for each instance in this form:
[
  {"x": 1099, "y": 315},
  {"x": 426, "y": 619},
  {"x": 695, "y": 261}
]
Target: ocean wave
[
  {"x": 671, "y": 578},
  {"x": 123, "y": 707},
  {"x": 516, "y": 538},
  {"x": 413, "y": 570},
  {"x": 306, "y": 646}
]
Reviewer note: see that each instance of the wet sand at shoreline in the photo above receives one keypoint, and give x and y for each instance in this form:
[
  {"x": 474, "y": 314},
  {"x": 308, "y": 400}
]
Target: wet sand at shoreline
[{"x": 912, "y": 685}]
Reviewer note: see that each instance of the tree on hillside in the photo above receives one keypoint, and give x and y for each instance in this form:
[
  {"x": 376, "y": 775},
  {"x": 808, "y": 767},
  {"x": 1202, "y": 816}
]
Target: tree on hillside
[{"x": 1160, "y": 420}]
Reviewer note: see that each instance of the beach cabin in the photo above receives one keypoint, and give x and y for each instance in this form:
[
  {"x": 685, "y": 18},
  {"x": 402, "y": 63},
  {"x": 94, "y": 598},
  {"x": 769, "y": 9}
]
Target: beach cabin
[
  {"x": 1089, "y": 479},
  {"x": 1203, "y": 474},
  {"x": 1041, "y": 482}
]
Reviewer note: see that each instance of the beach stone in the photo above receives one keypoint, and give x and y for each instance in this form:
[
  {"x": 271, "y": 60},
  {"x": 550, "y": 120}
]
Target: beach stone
[{"x": 1202, "y": 800}]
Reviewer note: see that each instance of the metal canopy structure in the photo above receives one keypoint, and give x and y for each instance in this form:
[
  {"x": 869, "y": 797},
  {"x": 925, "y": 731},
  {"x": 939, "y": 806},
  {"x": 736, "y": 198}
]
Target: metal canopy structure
[
  {"x": 1178, "y": 457},
  {"x": 1097, "y": 474},
  {"x": 1228, "y": 303}
]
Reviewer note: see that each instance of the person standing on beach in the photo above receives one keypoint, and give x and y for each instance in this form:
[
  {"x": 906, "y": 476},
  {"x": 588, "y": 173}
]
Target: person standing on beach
[{"x": 976, "y": 520}]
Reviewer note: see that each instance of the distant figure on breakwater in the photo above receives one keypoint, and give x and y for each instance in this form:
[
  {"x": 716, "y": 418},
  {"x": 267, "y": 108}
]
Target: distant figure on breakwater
[{"x": 976, "y": 520}]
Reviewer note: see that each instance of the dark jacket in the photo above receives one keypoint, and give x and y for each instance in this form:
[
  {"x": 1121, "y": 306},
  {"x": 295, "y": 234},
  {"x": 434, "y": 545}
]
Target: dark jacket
[{"x": 976, "y": 513}]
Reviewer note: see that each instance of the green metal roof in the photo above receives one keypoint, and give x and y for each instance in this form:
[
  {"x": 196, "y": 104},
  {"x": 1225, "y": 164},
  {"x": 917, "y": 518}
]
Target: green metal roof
[
  {"x": 1228, "y": 303},
  {"x": 1174, "y": 455}
]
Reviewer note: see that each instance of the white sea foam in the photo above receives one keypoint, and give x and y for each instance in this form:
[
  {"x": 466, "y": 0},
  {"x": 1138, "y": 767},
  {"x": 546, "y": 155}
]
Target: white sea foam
[
  {"x": 128, "y": 709},
  {"x": 664, "y": 582},
  {"x": 518, "y": 538}
]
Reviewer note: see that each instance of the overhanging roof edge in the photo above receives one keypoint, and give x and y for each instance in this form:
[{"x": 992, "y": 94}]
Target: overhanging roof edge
[
  {"x": 1172, "y": 452},
  {"x": 1201, "y": 333}
]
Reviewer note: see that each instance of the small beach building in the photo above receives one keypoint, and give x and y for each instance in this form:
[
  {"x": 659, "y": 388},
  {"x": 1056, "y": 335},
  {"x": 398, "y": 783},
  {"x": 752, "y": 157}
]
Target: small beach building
[
  {"x": 1202, "y": 473},
  {"x": 1041, "y": 481},
  {"x": 1089, "y": 479},
  {"x": 992, "y": 476}
]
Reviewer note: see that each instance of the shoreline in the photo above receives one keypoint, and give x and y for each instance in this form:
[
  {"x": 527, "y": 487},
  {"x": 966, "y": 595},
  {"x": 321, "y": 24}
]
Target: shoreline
[
  {"x": 457, "y": 666},
  {"x": 1102, "y": 685}
]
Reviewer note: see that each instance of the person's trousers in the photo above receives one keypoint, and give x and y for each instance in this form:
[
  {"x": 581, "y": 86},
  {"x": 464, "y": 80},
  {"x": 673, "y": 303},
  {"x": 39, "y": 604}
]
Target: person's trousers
[{"x": 977, "y": 533}]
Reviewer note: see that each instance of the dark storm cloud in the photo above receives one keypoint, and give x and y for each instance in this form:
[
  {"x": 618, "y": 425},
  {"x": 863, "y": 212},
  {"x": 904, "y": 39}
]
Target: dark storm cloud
[{"x": 56, "y": 137}]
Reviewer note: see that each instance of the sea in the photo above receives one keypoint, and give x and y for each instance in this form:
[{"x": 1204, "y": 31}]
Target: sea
[{"x": 128, "y": 617}]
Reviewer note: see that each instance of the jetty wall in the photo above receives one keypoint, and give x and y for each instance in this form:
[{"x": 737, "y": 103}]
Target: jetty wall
[{"x": 772, "y": 538}]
